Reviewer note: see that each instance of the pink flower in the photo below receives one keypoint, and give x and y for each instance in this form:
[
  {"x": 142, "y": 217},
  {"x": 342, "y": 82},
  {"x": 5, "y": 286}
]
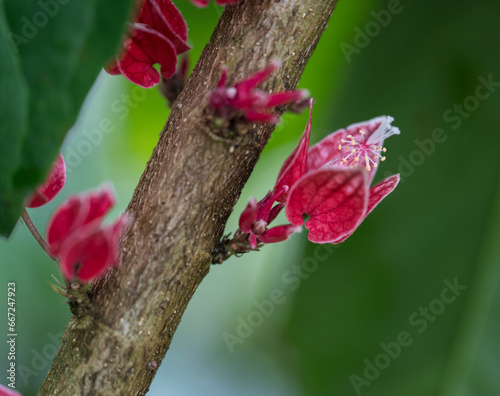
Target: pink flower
[
  {"x": 75, "y": 235},
  {"x": 4, "y": 391},
  {"x": 158, "y": 35},
  {"x": 253, "y": 103},
  {"x": 51, "y": 187},
  {"x": 257, "y": 216},
  {"x": 328, "y": 186},
  {"x": 204, "y": 3}
]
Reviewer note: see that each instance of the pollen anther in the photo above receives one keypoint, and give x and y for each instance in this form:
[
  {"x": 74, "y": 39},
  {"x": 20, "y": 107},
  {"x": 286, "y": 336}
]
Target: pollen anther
[{"x": 358, "y": 148}]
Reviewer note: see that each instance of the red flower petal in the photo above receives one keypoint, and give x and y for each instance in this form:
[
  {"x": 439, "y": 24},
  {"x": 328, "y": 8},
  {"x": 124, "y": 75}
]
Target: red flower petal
[
  {"x": 281, "y": 98},
  {"x": 278, "y": 233},
  {"x": 274, "y": 212},
  {"x": 145, "y": 48},
  {"x": 265, "y": 205},
  {"x": 77, "y": 212},
  {"x": 53, "y": 184},
  {"x": 325, "y": 151},
  {"x": 248, "y": 216},
  {"x": 377, "y": 194},
  {"x": 244, "y": 87},
  {"x": 256, "y": 116},
  {"x": 88, "y": 256},
  {"x": 65, "y": 220},
  {"x": 112, "y": 68},
  {"x": 223, "y": 78},
  {"x": 200, "y": 3},
  {"x": 90, "y": 252},
  {"x": 164, "y": 17},
  {"x": 380, "y": 191},
  {"x": 335, "y": 199},
  {"x": 4, "y": 391},
  {"x": 101, "y": 201},
  {"x": 294, "y": 166},
  {"x": 253, "y": 241}
]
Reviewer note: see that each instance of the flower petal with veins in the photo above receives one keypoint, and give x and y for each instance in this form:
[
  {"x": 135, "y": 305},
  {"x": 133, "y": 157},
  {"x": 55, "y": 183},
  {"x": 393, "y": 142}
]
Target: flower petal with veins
[
  {"x": 334, "y": 199},
  {"x": 52, "y": 186},
  {"x": 324, "y": 151},
  {"x": 77, "y": 212},
  {"x": 143, "y": 49},
  {"x": 164, "y": 17},
  {"x": 84, "y": 248},
  {"x": 278, "y": 233},
  {"x": 248, "y": 216},
  {"x": 295, "y": 165}
]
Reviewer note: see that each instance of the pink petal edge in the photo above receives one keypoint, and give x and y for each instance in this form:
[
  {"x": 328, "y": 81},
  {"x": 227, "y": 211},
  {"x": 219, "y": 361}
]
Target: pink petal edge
[{"x": 295, "y": 165}]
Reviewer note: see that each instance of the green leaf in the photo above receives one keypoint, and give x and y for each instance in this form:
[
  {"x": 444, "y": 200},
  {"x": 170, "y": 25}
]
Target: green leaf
[
  {"x": 62, "y": 46},
  {"x": 13, "y": 120}
]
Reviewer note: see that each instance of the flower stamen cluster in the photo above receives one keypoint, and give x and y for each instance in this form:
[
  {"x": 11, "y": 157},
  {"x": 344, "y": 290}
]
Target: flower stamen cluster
[{"x": 361, "y": 149}]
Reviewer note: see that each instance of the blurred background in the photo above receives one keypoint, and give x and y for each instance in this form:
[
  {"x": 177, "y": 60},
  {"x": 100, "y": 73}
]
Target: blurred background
[{"x": 409, "y": 305}]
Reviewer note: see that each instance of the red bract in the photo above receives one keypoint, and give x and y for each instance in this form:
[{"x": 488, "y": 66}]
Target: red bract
[
  {"x": 257, "y": 216},
  {"x": 204, "y": 3},
  {"x": 53, "y": 184},
  {"x": 245, "y": 98},
  {"x": 158, "y": 35},
  {"x": 75, "y": 235},
  {"x": 4, "y": 391},
  {"x": 330, "y": 184}
]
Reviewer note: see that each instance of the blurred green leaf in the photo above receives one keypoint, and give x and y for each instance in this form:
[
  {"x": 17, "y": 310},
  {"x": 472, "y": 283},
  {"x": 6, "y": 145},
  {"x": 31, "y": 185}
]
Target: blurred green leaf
[
  {"x": 13, "y": 117},
  {"x": 62, "y": 46},
  {"x": 430, "y": 58}
]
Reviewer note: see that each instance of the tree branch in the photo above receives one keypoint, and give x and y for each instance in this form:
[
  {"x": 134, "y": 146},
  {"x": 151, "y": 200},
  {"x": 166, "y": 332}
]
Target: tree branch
[{"x": 181, "y": 205}]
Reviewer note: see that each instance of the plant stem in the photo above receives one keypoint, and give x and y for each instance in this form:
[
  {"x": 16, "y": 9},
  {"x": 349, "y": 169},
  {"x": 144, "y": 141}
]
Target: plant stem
[
  {"x": 31, "y": 226},
  {"x": 29, "y": 223}
]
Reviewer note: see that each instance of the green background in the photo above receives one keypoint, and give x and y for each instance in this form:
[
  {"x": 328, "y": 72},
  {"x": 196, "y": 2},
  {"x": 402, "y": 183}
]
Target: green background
[{"x": 441, "y": 223}]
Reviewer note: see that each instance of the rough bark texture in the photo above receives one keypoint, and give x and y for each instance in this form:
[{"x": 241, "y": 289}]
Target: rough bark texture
[{"x": 181, "y": 205}]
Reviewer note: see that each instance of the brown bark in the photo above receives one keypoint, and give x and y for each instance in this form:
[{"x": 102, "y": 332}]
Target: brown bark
[{"x": 181, "y": 205}]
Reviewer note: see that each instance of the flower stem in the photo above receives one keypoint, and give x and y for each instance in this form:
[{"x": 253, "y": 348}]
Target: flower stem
[
  {"x": 29, "y": 223},
  {"x": 236, "y": 246}
]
